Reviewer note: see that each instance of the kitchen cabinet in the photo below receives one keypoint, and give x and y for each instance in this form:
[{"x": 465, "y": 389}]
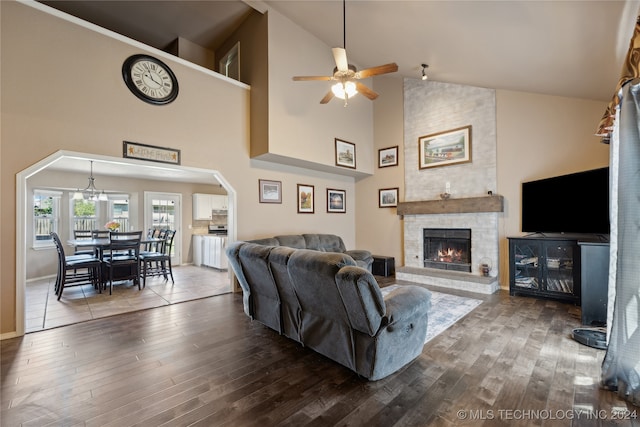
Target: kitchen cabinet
[
  {"x": 197, "y": 249},
  {"x": 204, "y": 204},
  {"x": 209, "y": 251},
  {"x": 219, "y": 202}
]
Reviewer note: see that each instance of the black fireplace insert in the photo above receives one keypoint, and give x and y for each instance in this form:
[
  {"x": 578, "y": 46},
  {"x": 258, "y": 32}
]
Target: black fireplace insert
[{"x": 447, "y": 248}]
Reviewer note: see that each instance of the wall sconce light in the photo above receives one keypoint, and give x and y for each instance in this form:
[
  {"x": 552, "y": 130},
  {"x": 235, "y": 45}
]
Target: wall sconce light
[{"x": 424, "y": 73}]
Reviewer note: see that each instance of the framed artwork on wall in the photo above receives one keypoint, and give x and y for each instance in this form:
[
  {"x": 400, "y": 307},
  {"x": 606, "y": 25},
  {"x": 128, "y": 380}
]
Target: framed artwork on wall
[
  {"x": 388, "y": 157},
  {"x": 345, "y": 154},
  {"x": 445, "y": 148},
  {"x": 336, "y": 201},
  {"x": 270, "y": 191},
  {"x": 388, "y": 197},
  {"x": 305, "y": 198}
]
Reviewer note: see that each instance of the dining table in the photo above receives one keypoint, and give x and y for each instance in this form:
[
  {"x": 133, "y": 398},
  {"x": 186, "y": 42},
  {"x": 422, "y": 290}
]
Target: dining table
[{"x": 102, "y": 244}]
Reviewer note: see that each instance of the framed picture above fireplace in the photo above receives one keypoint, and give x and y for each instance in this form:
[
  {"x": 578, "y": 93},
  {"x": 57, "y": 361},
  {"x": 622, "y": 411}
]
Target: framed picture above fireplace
[{"x": 445, "y": 148}]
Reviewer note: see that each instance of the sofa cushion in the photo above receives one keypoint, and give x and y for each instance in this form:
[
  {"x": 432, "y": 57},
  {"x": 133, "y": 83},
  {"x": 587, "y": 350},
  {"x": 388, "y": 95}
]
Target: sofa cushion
[
  {"x": 324, "y": 242},
  {"x": 267, "y": 241},
  {"x": 292, "y": 241}
]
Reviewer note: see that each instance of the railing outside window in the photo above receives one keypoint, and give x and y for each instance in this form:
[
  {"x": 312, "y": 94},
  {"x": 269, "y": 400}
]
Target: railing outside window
[{"x": 46, "y": 212}]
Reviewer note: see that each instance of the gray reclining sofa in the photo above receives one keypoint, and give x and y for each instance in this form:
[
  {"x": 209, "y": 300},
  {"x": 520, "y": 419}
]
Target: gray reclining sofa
[
  {"x": 319, "y": 242},
  {"x": 326, "y": 302}
]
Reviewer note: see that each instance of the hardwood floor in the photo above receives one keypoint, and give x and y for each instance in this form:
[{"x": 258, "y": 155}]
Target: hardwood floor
[{"x": 511, "y": 361}]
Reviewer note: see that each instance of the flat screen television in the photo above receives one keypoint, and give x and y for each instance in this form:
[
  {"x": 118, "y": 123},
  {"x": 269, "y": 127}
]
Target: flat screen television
[{"x": 574, "y": 203}]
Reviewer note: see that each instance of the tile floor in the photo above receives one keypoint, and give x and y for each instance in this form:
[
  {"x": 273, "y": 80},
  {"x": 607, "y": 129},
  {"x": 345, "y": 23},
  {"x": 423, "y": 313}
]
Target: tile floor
[{"x": 81, "y": 303}]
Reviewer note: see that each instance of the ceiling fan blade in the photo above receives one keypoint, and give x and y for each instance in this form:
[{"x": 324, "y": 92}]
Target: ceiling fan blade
[
  {"x": 340, "y": 56},
  {"x": 306, "y": 78},
  {"x": 366, "y": 91},
  {"x": 328, "y": 97},
  {"x": 374, "y": 71}
]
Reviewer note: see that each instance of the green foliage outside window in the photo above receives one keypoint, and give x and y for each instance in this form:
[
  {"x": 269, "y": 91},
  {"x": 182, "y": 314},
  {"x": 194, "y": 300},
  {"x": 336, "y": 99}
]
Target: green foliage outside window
[
  {"x": 84, "y": 208},
  {"x": 43, "y": 206}
]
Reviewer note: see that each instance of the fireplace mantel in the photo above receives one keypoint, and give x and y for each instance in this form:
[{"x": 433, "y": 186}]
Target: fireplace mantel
[{"x": 493, "y": 203}]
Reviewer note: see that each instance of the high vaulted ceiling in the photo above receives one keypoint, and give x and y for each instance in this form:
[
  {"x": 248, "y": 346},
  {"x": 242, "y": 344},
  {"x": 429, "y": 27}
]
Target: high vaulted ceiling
[{"x": 568, "y": 48}]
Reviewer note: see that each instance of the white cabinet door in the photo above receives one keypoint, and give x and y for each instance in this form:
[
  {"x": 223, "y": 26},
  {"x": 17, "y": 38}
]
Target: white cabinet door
[
  {"x": 213, "y": 252},
  {"x": 223, "y": 263},
  {"x": 197, "y": 250},
  {"x": 202, "y": 206},
  {"x": 207, "y": 258},
  {"x": 220, "y": 202}
]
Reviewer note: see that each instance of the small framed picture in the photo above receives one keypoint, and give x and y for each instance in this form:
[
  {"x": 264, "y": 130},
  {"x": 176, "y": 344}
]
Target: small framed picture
[
  {"x": 345, "y": 154},
  {"x": 445, "y": 148},
  {"x": 270, "y": 191},
  {"x": 388, "y": 157},
  {"x": 336, "y": 201},
  {"x": 305, "y": 198},
  {"x": 388, "y": 197}
]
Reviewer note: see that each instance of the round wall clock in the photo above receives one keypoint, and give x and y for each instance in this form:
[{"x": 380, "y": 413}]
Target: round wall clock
[{"x": 150, "y": 79}]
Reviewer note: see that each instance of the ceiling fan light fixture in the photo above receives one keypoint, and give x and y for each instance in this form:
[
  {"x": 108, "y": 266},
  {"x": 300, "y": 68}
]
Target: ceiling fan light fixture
[
  {"x": 424, "y": 71},
  {"x": 344, "y": 90}
]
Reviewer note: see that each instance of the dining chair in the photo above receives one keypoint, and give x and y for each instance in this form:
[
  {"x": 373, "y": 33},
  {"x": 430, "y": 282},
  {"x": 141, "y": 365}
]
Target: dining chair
[
  {"x": 123, "y": 255},
  {"x": 83, "y": 235},
  {"x": 100, "y": 234},
  {"x": 158, "y": 263},
  {"x": 75, "y": 270},
  {"x": 152, "y": 245}
]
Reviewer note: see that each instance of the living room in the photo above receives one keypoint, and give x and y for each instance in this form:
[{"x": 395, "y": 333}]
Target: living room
[
  {"x": 266, "y": 131},
  {"x": 212, "y": 135}
]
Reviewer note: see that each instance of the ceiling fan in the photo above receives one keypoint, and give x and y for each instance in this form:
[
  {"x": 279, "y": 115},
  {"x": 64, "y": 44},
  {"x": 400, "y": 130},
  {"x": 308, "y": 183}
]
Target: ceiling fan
[{"x": 346, "y": 75}]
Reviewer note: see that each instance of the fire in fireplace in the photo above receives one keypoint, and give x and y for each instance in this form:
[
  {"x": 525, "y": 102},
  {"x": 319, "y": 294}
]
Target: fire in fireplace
[{"x": 447, "y": 248}]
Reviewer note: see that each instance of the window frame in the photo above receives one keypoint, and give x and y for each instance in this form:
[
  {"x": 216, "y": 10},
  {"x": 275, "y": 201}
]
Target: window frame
[
  {"x": 56, "y": 197},
  {"x": 72, "y": 216}
]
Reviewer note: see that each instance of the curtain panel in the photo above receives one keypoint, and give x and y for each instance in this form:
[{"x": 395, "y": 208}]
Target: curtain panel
[{"x": 621, "y": 365}]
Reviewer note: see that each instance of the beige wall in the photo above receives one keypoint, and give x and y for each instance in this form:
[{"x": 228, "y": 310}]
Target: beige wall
[
  {"x": 62, "y": 90},
  {"x": 300, "y": 128},
  {"x": 380, "y": 229},
  {"x": 541, "y": 136}
]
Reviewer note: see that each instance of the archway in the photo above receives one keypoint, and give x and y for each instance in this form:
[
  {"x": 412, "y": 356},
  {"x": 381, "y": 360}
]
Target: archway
[{"x": 124, "y": 166}]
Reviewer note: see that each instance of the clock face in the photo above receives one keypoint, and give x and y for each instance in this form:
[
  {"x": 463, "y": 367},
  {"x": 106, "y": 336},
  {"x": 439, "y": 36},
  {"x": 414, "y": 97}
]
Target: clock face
[{"x": 150, "y": 79}]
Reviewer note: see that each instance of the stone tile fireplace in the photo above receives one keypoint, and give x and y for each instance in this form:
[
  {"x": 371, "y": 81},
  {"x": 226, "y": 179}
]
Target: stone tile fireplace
[{"x": 471, "y": 204}]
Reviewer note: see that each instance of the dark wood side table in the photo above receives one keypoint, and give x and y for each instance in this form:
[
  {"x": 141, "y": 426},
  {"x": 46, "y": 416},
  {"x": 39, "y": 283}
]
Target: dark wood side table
[{"x": 383, "y": 265}]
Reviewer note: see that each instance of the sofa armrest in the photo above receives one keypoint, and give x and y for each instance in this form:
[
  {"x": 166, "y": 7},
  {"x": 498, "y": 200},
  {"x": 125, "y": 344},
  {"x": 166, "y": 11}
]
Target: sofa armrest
[
  {"x": 233, "y": 255},
  {"x": 362, "y": 299},
  {"x": 363, "y": 258},
  {"x": 406, "y": 302}
]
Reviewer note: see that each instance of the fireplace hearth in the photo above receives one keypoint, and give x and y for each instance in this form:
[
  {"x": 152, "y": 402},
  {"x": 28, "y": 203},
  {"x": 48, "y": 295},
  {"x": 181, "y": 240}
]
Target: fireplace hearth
[{"x": 447, "y": 248}]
